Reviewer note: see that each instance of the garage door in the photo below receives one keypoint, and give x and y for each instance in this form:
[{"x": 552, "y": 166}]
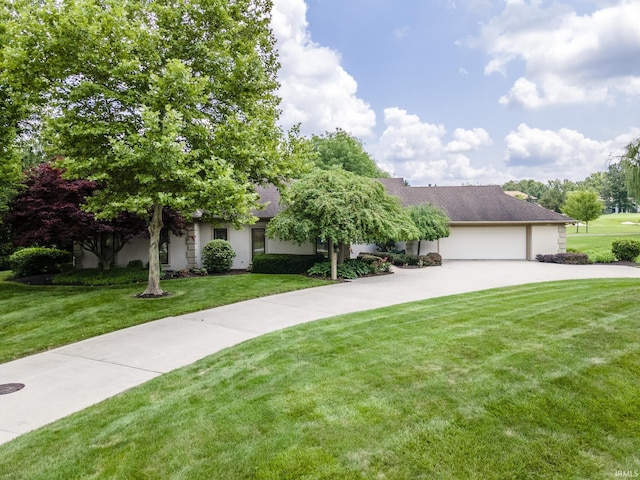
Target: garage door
[{"x": 485, "y": 243}]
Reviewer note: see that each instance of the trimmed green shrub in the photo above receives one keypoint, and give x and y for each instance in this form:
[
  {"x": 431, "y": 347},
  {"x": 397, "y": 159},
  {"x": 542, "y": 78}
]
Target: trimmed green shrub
[
  {"x": 350, "y": 269},
  {"x": 217, "y": 256},
  {"x": 601, "y": 257},
  {"x": 96, "y": 277},
  {"x": 284, "y": 263},
  {"x": 135, "y": 264},
  {"x": 569, "y": 258},
  {"x": 626, "y": 249},
  {"x": 38, "y": 261}
]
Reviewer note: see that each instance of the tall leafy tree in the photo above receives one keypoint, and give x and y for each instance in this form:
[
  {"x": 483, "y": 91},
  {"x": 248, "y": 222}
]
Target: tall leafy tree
[
  {"x": 594, "y": 182},
  {"x": 431, "y": 222},
  {"x": 10, "y": 113},
  {"x": 556, "y": 194},
  {"x": 342, "y": 208},
  {"x": 631, "y": 166},
  {"x": 583, "y": 205},
  {"x": 339, "y": 149},
  {"x": 614, "y": 191},
  {"x": 163, "y": 103},
  {"x": 48, "y": 212}
]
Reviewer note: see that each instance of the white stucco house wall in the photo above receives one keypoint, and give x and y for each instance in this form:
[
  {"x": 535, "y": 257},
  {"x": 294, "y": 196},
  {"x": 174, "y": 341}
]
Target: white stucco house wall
[{"x": 486, "y": 224}]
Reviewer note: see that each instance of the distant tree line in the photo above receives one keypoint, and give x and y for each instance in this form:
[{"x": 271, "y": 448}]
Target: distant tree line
[{"x": 611, "y": 186}]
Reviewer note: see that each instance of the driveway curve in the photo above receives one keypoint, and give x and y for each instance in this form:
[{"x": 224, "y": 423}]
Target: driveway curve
[{"x": 68, "y": 379}]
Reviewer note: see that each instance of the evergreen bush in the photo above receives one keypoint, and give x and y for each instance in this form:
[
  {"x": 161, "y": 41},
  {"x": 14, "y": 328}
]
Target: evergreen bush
[
  {"x": 283, "y": 263},
  {"x": 217, "y": 256},
  {"x": 38, "y": 261},
  {"x": 625, "y": 249}
]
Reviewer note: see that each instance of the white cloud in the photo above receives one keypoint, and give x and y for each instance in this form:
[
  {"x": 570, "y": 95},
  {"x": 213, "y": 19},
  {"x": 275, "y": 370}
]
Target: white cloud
[
  {"x": 315, "y": 90},
  {"x": 568, "y": 58},
  {"x": 563, "y": 153},
  {"x": 416, "y": 150},
  {"x": 468, "y": 140}
]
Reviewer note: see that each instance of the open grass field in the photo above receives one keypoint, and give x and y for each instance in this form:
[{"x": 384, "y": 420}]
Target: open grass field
[
  {"x": 536, "y": 381},
  {"x": 36, "y": 318},
  {"x": 603, "y": 231}
]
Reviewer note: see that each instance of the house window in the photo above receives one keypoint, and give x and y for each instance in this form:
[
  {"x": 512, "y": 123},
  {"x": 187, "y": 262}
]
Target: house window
[
  {"x": 163, "y": 247},
  {"x": 220, "y": 234},
  {"x": 322, "y": 247},
  {"x": 257, "y": 242}
]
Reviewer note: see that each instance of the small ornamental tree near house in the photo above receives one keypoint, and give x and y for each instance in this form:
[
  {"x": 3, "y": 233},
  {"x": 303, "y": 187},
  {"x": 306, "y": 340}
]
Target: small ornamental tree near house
[
  {"x": 584, "y": 206},
  {"x": 431, "y": 221},
  {"x": 163, "y": 104},
  {"x": 49, "y": 212},
  {"x": 342, "y": 208}
]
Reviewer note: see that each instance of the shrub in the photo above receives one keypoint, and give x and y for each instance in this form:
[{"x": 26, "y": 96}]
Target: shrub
[
  {"x": 436, "y": 258},
  {"x": 601, "y": 257},
  {"x": 569, "y": 258},
  {"x": 37, "y": 261},
  {"x": 217, "y": 256},
  {"x": 375, "y": 263},
  {"x": 626, "y": 250},
  {"x": 135, "y": 264},
  {"x": 284, "y": 263},
  {"x": 96, "y": 277},
  {"x": 350, "y": 269}
]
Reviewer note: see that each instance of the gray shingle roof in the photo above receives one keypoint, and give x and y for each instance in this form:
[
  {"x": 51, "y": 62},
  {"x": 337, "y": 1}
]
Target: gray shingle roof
[
  {"x": 464, "y": 204},
  {"x": 474, "y": 203},
  {"x": 271, "y": 196}
]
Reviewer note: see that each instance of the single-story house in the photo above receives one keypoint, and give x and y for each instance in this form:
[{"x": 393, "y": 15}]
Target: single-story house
[{"x": 485, "y": 224}]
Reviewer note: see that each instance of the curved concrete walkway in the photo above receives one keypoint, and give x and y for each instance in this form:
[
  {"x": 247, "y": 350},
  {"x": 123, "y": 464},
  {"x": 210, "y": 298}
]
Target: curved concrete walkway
[{"x": 68, "y": 379}]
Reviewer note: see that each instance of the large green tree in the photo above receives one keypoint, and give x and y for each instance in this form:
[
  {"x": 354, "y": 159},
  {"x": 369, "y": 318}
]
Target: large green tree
[
  {"x": 431, "y": 222},
  {"x": 556, "y": 194},
  {"x": 162, "y": 103},
  {"x": 631, "y": 165},
  {"x": 614, "y": 191},
  {"x": 342, "y": 208},
  {"x": 339, "y": 149},
  {"x": 583, "y": 205},
  {"x": 10, "y": 112}
]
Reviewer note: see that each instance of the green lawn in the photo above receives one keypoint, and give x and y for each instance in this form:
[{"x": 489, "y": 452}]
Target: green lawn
[
  {"x": 603, "y": 231},
  {"x": 536, "y": 381},
  {"x": 37, "y": 318}
]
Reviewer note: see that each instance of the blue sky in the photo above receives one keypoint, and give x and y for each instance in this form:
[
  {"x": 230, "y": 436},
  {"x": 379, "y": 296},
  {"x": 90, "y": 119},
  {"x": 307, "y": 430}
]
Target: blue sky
[{"x": 469, "y": 91}]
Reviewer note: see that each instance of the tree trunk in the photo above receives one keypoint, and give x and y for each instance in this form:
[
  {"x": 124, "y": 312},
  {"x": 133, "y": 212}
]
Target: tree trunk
[
  {"x": 153, "y": 286},
  {"x": 334, "y": 260},
  {"x": 419, "y": 242},
  {"x": 344, "y": 252}
]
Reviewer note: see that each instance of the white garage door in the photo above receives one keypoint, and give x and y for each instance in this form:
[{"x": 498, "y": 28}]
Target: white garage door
[{"x": 485, "y": 243}]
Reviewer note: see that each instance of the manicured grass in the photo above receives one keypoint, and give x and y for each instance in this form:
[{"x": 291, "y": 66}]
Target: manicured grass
[
  {"x": 37, "y": 318},
  {"x": 537, "y": 381},
  {"x": 603, "y": 231}
]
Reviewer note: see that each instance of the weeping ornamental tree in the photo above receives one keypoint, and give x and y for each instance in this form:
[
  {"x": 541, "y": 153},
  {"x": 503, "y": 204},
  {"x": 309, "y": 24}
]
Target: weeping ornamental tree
[
  {"x": 161, "y": 103},
  {"x": 631, "y": 165},
  {"x": 342, "y": 208},
  {"x": 431, "y": 222}
]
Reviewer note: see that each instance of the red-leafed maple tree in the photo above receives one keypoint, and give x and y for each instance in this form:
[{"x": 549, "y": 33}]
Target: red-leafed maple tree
[{"x": 48, "y": 212}]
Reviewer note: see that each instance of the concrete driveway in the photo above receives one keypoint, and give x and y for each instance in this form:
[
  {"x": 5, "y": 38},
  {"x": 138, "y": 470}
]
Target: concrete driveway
[{"x": 68, "y": 379}]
